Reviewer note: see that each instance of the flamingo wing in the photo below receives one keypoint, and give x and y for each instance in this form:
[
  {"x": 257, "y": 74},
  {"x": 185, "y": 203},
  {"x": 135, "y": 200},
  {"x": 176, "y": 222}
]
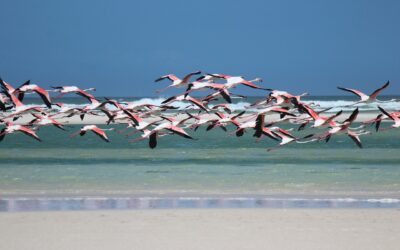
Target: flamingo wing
[
  {"x": 355, "y": 138},
  {"x": 7, "y": 87},
  {"x": 225, "y": 94},
  {"x": 187, "y": 77},
  {"x": 259, "y": 125},
  {"x": 44, "y": 95},
  {"x": 376, "y": 92},
  {"x": 85, "y": 95},
  {"x": 282, "y": 111},
  {"x": 170, "y": 77},
  {"x": 29, "y": 132},
  {"x": 252, "y": 85},
  {"x": 136, "y": 119},
  {"x": 197, "y": 103},
  {"x": 100, "y": 133},
  {"x": 378, "y": 122},
  {"x": 285, "y": 132},
  {"x": 353, "y": 116},
  {"x": 269, "y": 133},
  {"x": 169, "y": 100},
  {"x": 153, "y": 140},
  {"x": 14, "y": 99},
  {"x": 333, "y": 116},
  {"x": 179, "y": 131},
  {"x": 386, "y": 113},
  {"x": 354, "y": 91}
]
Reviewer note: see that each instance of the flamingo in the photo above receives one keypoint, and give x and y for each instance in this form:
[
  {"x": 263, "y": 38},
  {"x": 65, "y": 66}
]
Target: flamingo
[
  {"x": 20, "y": 108},
  {"x": 185, "y": 97},
  {"x": 95, "y": 104},
  {"x": 42, "y": 120},
  {"x": 287, "y": 138},
  {"x": 393, "y": 116},
  {"x": 173, "y": 127},
  {"x": 96, "y": 130},
  {"x": 73, "y": 89},
  {"x": 68, "y": 110},
  {"x": 176, "y": 82},
  {"x": 258, "y": 125},
  {"x": 225, "y": 94},
  {"x": 318, "y": 119},
  {"x": 201, "y": 120},
  {"x": 12, "y": 128},
  {"x": 377, "y": 120},
  {"x": 344, "y": 128},
  {"x": 27, "y": 87},
  {"x": 232, "y": 81},
  {"x": 152, "y": 135},
  {"x": 224, "y": 106},
  {"x": 284, "y": 99},
  {"x": 204, "y": 85},
  {"x": 140, "y": 124},
  {"x": 224, "y": 120},
  {"x": 366, "y": 98},
  {"x": 6, "y": 86},
  {"x": 274, "y": 110}
]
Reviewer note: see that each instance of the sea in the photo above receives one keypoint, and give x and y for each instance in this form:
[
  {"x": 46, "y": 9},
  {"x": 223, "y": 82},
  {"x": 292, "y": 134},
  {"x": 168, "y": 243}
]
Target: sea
[{"x": 214, "y": 170}]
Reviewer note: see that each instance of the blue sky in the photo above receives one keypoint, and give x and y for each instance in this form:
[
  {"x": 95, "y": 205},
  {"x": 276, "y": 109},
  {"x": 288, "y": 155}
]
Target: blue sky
[{"x": 120, "y": 47}]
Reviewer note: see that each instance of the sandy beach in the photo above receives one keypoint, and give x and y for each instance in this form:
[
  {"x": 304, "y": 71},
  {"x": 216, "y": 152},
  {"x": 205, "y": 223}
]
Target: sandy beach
[
  {"x": 102, "y": 119},
  {"x": 203, "y": 229}
]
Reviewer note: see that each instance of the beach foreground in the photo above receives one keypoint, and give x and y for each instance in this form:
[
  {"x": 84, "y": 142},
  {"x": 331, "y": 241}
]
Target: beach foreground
[{"x": 203, "y": 229}]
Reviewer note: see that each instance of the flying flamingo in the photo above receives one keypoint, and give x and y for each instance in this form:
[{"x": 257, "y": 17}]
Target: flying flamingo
[
  {"x": 258, "y": 125},
  {"x": 287, "y": 138},
  {"x": 185, "y": 97},
  {"x": 232, "y": 81},
  {"x": 366, "y": 98},
  {"x": 98, "y": 131},
  {"x": 42, "y": 120},
  {"x": 318, "y": 119},
  {"x": 344, "y": 128},
  {"x": 176, "y": 82},
  {"x": 12, "y": 128},
  {"x": 224, "y": 120},
  {"x": 224, "y": 106},
  {"x": 29, "y": 88},
  {"x": 152, "y": 135},
  {"x": 20, "y": 108},
  {"x": 393, "y": 116},
  {"x": 73, "y": 89}
]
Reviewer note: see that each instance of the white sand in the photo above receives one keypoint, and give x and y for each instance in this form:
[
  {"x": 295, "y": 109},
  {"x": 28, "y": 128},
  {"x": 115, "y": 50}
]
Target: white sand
[
  {"x": 203, "y": 229},
  {"x": 94, "y": 119}
]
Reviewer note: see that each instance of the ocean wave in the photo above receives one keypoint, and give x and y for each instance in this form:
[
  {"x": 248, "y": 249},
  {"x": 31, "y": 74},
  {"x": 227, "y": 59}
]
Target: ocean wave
[
  {"x": 350, "y": 105},
  {"x": 335, "y": 105}
]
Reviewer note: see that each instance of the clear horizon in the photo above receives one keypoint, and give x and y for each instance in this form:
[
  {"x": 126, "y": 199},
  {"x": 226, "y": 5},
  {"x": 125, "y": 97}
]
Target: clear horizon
[{"x": 122, "y": 47}]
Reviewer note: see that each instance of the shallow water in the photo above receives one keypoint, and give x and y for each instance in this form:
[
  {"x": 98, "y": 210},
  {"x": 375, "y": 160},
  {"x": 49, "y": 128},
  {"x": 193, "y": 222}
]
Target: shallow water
[{"x": 213, "y": 164}]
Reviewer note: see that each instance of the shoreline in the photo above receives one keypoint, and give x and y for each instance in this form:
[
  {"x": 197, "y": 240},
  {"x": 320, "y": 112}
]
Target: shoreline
[
  {"x": 94, "y": 119},
  {"x": 121, "y": 203},
  {"x": 203, "y": 229}
]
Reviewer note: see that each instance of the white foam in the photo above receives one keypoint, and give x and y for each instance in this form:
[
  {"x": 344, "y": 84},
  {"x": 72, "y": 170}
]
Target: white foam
[{"x": 335, "y": 105}]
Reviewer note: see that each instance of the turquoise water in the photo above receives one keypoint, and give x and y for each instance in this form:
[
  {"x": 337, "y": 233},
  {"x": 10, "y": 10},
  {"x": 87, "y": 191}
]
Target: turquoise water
[{"x": 214, "y": 164}]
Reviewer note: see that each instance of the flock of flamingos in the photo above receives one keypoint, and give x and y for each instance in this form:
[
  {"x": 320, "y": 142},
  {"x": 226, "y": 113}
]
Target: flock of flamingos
[{"x": 154, "y": 121}]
